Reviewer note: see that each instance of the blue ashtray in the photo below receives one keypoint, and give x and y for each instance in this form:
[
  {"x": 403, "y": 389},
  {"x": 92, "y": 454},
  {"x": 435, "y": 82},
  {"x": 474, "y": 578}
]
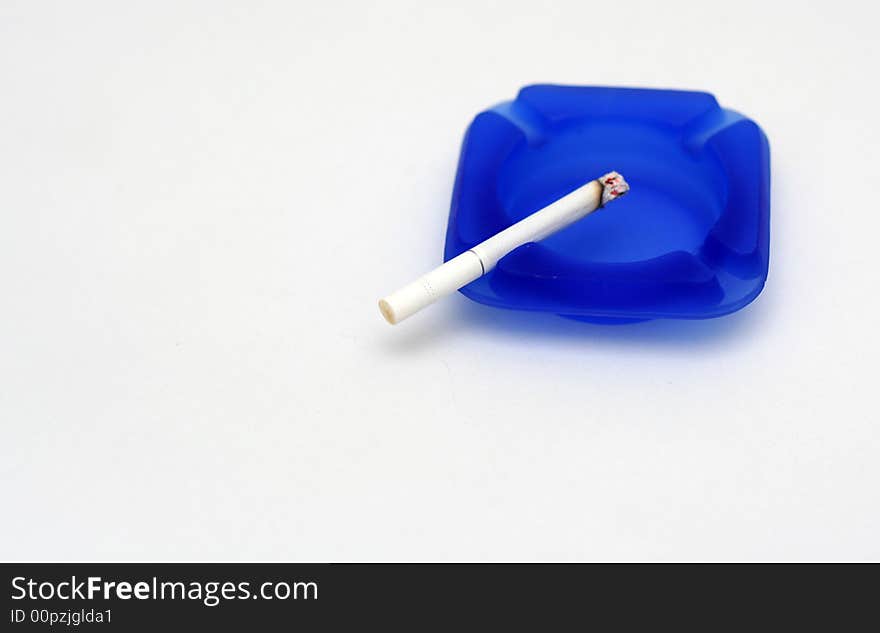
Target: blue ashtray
[{"x": 690, "y": 240}]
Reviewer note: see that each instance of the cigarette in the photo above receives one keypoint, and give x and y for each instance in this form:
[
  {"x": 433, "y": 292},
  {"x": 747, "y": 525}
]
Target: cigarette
[{"x": 476, "y": 262}]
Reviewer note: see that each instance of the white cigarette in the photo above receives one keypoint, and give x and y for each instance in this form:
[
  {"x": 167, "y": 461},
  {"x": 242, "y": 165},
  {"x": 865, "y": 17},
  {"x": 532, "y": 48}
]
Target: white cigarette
[{"x": 476, "y": 262}]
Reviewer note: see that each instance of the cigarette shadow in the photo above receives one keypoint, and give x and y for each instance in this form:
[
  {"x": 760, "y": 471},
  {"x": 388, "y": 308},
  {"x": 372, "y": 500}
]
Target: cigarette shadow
[{"x": 460, "y": 317}]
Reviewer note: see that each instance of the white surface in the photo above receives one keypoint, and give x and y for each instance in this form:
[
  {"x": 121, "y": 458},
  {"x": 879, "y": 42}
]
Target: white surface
[
  {"x": 178, "y": 379},
  {"x": 474, "y": 263}
]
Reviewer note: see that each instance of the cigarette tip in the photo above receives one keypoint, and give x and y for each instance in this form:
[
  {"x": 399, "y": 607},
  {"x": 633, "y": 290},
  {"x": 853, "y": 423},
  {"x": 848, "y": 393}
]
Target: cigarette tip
[
  {"x": 613, "y": 186},
  {"x": 387, "y": 311}
]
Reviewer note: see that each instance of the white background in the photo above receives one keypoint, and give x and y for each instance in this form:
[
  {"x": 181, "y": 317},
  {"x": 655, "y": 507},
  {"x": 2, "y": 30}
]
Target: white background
[{"x": 201, "y": 202}]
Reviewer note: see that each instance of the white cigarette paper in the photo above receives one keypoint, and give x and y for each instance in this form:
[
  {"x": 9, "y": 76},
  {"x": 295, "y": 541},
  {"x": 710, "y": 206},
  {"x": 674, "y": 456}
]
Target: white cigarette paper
[{"x": 476, "y": 262}]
